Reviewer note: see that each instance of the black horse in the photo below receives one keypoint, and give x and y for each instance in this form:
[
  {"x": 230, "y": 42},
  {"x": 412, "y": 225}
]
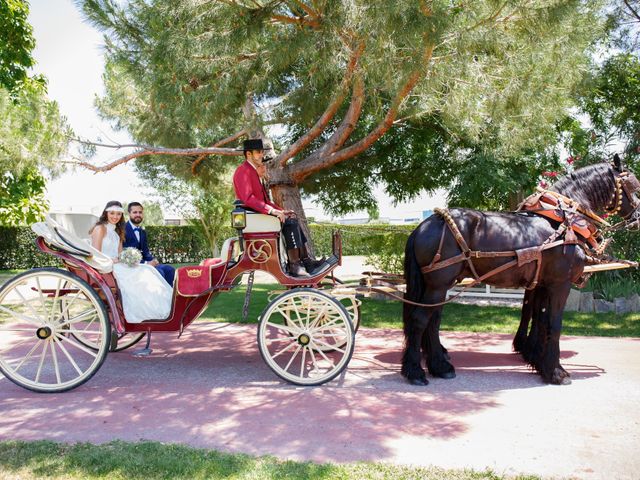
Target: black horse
[{"x": 435, "y": 260}]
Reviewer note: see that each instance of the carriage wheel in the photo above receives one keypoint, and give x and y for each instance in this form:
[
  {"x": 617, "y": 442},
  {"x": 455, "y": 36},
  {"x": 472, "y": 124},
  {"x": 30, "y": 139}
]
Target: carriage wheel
[
  {"x": 306, "y": 337},
  {"x": 39, "y": 346},
  {"x": 125, "y": 340}
]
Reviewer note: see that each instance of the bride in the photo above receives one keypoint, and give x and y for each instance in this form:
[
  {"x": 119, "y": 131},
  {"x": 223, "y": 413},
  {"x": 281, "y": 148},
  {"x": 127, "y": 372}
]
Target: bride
[{"x": 145, "y": 294}]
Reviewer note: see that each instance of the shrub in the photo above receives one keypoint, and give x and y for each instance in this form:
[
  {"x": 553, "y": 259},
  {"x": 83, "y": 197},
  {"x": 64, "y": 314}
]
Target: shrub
[{"x": 382, "y": 244}]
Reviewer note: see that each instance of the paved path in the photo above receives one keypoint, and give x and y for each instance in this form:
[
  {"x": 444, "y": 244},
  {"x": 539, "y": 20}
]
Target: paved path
[{"x": 211, "y": 389}]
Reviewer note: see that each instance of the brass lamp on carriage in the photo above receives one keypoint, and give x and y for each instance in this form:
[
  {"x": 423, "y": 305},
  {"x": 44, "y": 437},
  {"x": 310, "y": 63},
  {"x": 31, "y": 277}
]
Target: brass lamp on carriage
[
  {"x": 239, "y": 221},
  {"x": 238, "y": 216}
]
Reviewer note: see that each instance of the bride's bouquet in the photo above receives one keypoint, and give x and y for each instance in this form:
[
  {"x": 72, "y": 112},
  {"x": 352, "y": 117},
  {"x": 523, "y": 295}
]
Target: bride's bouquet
[{"x": 130, "y": 256}]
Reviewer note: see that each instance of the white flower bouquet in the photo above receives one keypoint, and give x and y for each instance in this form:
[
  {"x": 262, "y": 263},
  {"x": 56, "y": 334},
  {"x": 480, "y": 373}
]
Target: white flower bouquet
[{"x": 130, "y": 256}]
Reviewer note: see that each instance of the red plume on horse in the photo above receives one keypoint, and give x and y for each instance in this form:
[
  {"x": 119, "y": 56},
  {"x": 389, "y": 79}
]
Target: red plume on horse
[{"x": 543, "y": 247}]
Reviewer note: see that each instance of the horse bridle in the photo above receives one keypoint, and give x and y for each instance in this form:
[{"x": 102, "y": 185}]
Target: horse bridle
[{"x": 627, "y": 184}]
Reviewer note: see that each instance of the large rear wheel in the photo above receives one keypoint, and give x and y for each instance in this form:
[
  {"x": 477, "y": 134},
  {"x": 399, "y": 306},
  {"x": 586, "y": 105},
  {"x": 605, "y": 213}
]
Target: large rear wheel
[
  {"x": 39, "y": 341},
  {"x": 306, "y": 337}
]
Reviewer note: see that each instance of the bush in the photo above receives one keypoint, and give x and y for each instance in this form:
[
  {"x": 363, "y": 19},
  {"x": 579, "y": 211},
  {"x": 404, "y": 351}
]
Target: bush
[
  {"x": 170, "y": 244},
  {"x": 18, "y": 250},
  {"x": 382, "y": 244}
]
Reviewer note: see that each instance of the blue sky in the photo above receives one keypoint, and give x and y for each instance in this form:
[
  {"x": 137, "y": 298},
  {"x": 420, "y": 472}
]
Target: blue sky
[{"x": 69, "y": 53}]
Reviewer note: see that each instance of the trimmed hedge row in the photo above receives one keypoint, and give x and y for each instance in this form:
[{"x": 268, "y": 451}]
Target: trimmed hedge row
[
  {"x": 183, "y": 244},
  {"x": 382, "y": 244}
]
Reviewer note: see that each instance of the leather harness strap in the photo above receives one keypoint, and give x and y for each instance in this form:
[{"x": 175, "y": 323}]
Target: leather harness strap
[{"x": 522, "y": 256}]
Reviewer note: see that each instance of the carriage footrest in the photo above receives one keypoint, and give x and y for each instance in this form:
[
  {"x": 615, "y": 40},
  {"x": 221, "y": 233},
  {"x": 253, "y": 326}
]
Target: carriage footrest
[{"x": 327, "y": 264}]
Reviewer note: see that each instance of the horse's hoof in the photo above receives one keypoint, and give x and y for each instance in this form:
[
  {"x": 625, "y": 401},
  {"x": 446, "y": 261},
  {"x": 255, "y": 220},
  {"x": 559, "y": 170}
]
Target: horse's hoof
[
  {"x": 446, "y": 375},
  {"x": 420, "y": 382},
  {"x": 560, "y": 377}
]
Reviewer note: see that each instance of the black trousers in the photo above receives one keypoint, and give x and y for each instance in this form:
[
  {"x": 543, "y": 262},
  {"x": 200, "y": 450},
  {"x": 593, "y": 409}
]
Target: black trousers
[{"x": 293, "y": 234}]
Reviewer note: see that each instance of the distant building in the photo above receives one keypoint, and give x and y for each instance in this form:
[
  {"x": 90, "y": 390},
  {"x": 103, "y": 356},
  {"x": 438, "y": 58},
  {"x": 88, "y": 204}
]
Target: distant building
[
  {"x": 175, "y": 220},
  {"x": 353, "y": 221}
]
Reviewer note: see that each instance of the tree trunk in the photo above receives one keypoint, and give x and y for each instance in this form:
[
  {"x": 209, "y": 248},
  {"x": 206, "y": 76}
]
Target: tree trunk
[
  {"x": 515, "y": 199},
  {"x": 288, "y": 197}
]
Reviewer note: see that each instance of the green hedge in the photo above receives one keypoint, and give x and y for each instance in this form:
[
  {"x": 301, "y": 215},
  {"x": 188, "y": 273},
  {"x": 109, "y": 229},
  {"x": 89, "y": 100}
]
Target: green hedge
[
  {"x": 382, "y": 244},
  {"x": 183, "y": 244},
  {"x": 18, "y": 250}
]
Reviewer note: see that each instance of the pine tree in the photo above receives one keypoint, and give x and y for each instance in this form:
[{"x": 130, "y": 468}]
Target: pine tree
[{"x": 360, "y": 91}]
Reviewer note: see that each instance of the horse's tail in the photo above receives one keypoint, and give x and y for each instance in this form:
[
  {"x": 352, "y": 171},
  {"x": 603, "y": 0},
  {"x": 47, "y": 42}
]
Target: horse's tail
[{"x": 414, "y": 283}]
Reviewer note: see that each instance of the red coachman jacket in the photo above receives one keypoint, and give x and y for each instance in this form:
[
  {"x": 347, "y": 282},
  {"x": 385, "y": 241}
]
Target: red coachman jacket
[{"x": 250, "y": 190}]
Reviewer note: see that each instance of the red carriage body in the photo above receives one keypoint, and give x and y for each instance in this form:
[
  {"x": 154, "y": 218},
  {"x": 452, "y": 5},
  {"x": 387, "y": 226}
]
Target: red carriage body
[{"x": 257, "y": 248}]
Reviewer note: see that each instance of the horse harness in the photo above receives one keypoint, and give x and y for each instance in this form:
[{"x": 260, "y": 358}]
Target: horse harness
[
  {"x": 523, "y": 256},
  {"x": 577, "y": 225}
]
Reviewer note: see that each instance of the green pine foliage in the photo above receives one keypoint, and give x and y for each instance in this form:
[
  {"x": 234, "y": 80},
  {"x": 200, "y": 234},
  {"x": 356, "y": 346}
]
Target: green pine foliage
[{"x": 499, "y": 80}]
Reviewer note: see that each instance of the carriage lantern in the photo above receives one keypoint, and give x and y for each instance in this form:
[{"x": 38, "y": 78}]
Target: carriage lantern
[{"x": 238, "y": 217}]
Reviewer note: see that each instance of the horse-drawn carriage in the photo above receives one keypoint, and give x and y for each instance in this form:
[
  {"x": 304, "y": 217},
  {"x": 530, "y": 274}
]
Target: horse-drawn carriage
[{"x": 58, "y": 324}]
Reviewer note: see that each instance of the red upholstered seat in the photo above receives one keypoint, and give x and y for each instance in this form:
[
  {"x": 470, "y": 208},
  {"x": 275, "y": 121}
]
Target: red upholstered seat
[{"x": 207, "y": 262}]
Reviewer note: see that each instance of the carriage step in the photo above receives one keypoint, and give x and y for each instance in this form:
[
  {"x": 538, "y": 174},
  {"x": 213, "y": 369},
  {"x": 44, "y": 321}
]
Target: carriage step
[{"x": 327, "y": 264}]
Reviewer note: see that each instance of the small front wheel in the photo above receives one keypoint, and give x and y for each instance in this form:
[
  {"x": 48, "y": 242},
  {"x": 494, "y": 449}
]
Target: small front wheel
[
  {"x": 40, "y": 348},
  {"x": 306, "y": 337}
]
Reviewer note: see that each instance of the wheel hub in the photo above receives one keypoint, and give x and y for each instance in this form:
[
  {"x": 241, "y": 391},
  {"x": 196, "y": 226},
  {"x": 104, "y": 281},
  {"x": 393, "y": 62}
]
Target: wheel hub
[
  {"x": 43, "y": 333},
  {"x": 304, "y": 339}
]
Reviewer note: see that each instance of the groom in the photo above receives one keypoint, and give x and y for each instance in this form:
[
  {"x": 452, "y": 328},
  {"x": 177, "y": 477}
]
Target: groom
[{"x": 136, "y": 237}]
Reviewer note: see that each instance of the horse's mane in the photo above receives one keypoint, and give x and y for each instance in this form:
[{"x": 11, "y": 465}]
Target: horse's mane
[{"x": 591, "y": 186}]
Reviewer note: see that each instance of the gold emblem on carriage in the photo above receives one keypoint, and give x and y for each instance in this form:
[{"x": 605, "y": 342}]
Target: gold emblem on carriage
[
  {"x": 259, "y": 251},
  {"x": 194, "y": 273}
]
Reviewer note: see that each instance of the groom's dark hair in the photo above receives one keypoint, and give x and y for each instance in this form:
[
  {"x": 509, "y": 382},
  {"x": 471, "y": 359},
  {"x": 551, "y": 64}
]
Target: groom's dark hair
[{"x": 133, "y": 204}]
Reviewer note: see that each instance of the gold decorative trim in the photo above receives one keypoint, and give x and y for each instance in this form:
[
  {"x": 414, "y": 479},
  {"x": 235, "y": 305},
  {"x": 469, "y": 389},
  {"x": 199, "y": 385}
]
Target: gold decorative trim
[
  {"x": 194, "y": 273},
  {"x": 259, "y": 251}
]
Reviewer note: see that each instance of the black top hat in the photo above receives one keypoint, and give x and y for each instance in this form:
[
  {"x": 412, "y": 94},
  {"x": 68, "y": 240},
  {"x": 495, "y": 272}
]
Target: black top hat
[{"x": 252, "y": 144}]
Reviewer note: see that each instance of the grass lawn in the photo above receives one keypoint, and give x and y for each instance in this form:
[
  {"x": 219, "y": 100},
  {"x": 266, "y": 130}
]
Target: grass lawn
[
  {"x": 152, "y": 460},
  {"x": 227, "y": 307}
]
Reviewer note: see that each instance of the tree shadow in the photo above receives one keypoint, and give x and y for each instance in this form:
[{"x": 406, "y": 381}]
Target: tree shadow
[{"x": 211, "y": 389}]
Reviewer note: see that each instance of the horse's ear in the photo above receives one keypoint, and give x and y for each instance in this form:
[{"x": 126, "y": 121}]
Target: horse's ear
[{"x": 617, "y": 162}]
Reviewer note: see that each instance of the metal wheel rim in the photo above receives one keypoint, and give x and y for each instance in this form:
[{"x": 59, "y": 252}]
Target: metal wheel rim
[
  {"x": 306, "y": 337},
  {"x": 37, "y": 349}
]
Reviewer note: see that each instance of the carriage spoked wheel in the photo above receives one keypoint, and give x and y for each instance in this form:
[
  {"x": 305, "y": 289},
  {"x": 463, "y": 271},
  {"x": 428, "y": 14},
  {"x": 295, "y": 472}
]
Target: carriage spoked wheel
[
  {"x": 125, "y": 340},
  {"x": 39, "y": 341},
  {"x": 306, "y": 337},
  {"x": 348, "y": 301}
]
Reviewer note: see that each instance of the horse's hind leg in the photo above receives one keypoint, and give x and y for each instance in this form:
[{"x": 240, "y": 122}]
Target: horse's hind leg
[
  {"x": 437, "y": 357},
  {"x": 519, "y": 341},
  {"x": 411, "y": 358}
]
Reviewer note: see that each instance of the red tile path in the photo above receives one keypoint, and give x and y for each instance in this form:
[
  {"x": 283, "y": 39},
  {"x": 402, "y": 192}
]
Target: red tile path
[{"x": 211, "y": 389}]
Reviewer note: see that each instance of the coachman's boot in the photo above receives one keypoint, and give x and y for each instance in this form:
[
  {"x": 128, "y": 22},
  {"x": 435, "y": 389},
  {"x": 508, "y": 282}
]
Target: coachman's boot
[
  {"x": 308, "y": 261},
  {"x": 296, "y": 268}
]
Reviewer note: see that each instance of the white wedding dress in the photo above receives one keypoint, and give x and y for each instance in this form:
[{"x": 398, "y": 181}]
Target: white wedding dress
[{"x": 145, "y": 294}]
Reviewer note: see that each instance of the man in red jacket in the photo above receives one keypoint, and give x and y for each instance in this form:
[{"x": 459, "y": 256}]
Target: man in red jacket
[{"x": 250, "y": 190}]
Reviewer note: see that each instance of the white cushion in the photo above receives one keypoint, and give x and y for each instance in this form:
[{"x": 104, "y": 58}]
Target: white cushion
[{"x": 260, "y": 223}]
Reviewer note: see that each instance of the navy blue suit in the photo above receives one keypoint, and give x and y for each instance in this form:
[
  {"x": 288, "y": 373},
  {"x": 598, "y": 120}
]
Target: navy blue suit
[{"x": 130, "y": 240}]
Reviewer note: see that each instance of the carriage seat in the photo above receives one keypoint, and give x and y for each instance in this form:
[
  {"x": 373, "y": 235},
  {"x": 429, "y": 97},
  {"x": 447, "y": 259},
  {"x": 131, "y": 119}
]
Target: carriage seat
[
  {"x": 61, "y": 239},
  {"x": 230, "y": 251},
  {"x": 261, "y": 223}
]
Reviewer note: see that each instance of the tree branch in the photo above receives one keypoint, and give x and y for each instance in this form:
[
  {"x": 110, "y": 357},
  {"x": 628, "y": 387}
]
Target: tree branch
[
  {"x": 490, "y": 18},
  {"x": 632, "y": 10},
  {"x": 295, "y": 20},
  {"x": 308, "y": 166},
  {"x": 328, "y": 114},
  {"x": 346, "y": 127},
  {"x": 149, "y": 150},
  {"x": 219, "y": 143},
  {"x": 306, "y": 8}
]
